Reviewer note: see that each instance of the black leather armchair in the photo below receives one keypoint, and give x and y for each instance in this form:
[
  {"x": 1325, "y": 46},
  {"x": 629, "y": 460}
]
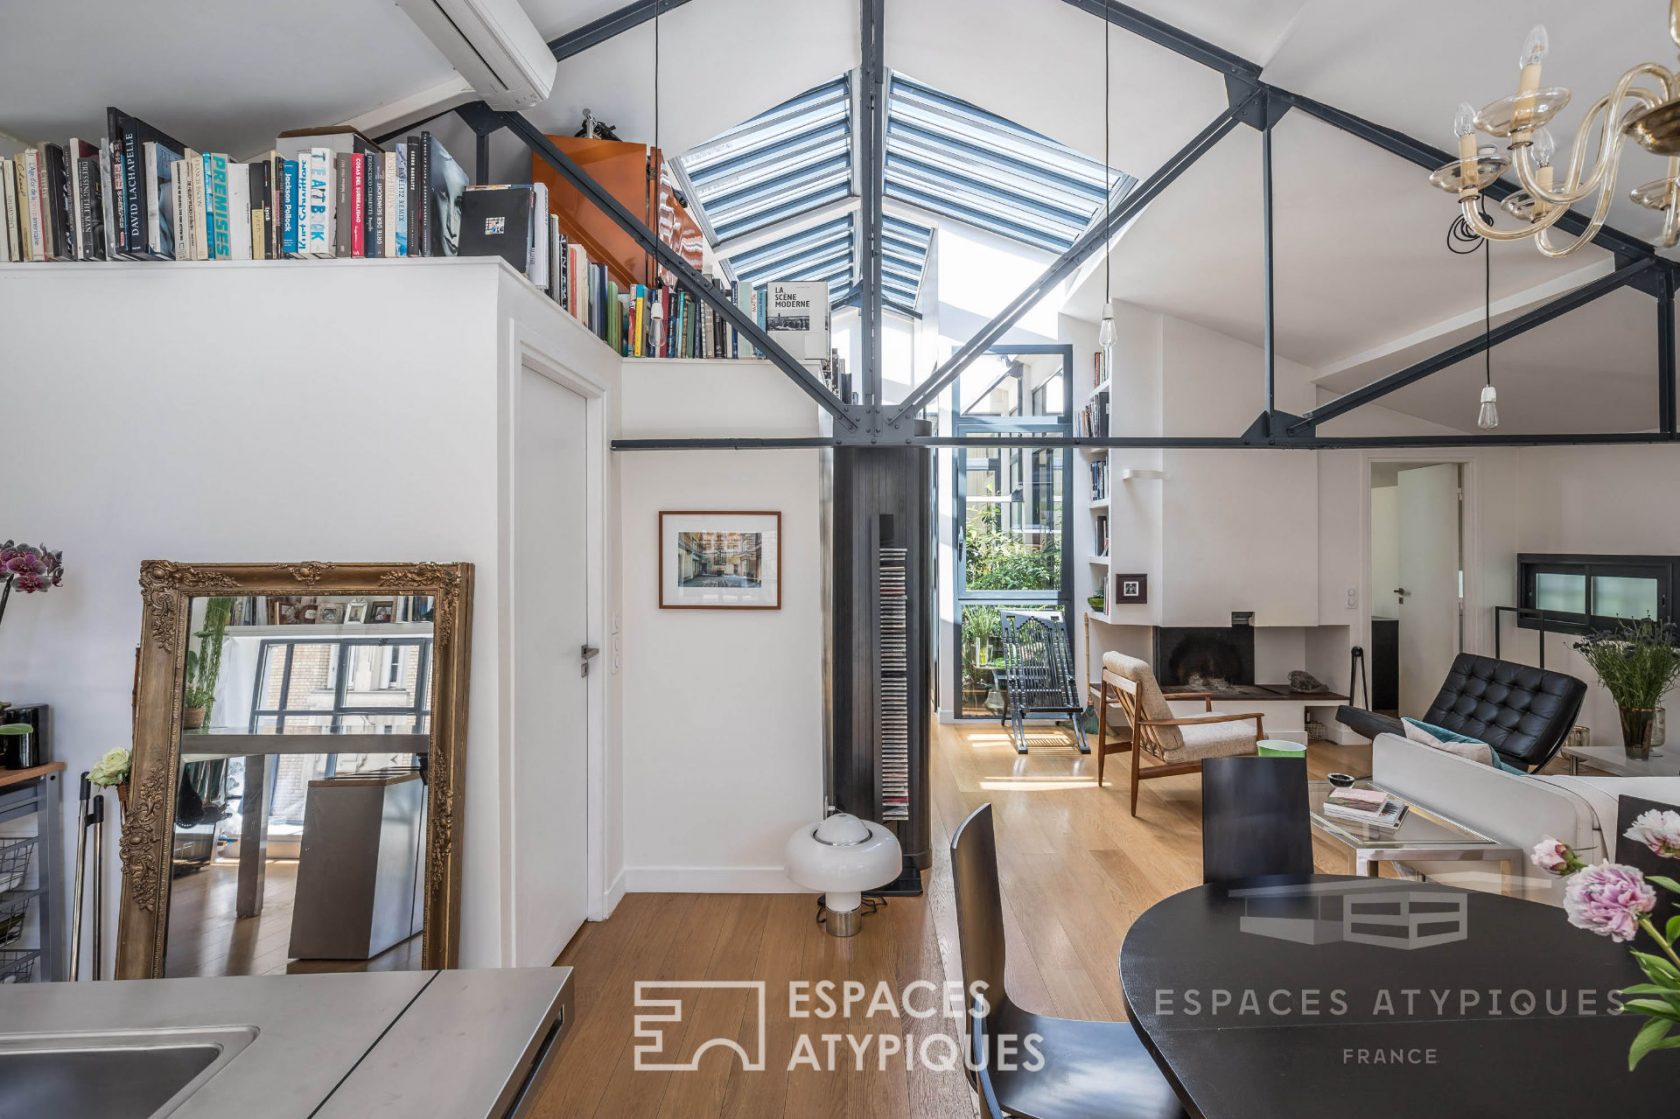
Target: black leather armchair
[{"x": 1523, "y": 712}]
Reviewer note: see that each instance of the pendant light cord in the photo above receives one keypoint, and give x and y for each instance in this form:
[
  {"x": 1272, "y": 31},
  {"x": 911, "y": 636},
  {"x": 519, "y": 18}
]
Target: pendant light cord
[
  {"x": 1108, "y": 173},
  {"x": 1464, "y": 240}
]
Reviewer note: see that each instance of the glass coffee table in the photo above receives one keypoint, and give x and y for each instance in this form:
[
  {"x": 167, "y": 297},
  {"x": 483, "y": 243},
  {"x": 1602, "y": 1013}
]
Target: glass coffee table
[
  {"x": 1615, "y": 761},
  {"x": 1423, "y": 836}
]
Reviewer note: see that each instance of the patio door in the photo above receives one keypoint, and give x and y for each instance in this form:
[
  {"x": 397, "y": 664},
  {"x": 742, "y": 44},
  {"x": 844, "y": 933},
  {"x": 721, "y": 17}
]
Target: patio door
[{"x": 1013, "y": 539}]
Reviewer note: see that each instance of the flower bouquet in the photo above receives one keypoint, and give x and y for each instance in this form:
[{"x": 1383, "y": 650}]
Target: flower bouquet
[
  {"x": 112, "y": 771},
  {"x": 1616, "y": 901}
]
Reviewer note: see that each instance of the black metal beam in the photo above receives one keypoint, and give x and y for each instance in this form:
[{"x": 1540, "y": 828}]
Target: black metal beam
[
  {"x": 669, "y": 258},
  {"x": 598, "y": 31},
  {"x": 1665, "y": 353},
  {"x": 1523, "y": 323},
  {"x": 710, "y": 443},
  {"x": 870, "y": 139},
  {"x": 1161, "y": 442},
  {"x": 1268, "y": 284},
  {"x": 1166, "y": 35},
  {"x": 1064, "y": 265},
  {"x": 1430, "y": 157}
]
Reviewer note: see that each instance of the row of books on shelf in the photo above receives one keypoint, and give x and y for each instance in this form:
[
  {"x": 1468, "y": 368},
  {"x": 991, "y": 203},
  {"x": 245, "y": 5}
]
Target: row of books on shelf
[
  {"x": 1091, "y": 421},
  {"x": 1101, "y": 534},
  {"x": 1099, "y": 479},
  {"x": 138, "y": 193},
  {"x": 1371, "y": 807}
]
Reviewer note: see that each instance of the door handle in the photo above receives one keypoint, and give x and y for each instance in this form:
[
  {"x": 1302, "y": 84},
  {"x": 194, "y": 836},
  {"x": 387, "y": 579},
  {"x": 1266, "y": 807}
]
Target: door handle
[
  {"x": 1402, "y": 592},
  {"x": 590, "y": 652}
]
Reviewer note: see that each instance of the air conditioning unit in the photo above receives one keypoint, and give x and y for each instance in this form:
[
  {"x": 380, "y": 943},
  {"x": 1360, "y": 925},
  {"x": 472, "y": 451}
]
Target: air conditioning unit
[{"x": 493, "y": 44}]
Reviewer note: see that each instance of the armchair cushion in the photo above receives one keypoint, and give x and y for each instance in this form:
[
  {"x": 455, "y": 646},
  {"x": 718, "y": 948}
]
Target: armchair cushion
[
  {"x": 1214, "y": 740},
  {"x": 1152, "y": 705}
]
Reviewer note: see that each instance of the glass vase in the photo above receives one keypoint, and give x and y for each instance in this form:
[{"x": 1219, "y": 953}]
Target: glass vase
[{"x": 1637, "y": 724}]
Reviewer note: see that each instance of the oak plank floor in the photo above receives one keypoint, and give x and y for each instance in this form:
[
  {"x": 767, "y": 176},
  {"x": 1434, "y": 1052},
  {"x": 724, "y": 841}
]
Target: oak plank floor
[{"x": 1077, "y": 869}]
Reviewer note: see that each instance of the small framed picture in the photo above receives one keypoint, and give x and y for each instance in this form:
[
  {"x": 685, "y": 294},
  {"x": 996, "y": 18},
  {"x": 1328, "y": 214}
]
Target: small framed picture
[
  {"x": 1132, "y": 590},
  {"x": 720, "y": 560},
  {"x": 355, "y": 613},
  {"x": 381, "y": 613},
  {"x": 330, "y": 614}
]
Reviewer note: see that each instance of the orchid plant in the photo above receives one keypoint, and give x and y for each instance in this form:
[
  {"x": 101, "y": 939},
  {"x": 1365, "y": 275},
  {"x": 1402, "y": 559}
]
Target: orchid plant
[
  {"x": 29, "y": 568},
  {"x": 1617, "y": 901}
]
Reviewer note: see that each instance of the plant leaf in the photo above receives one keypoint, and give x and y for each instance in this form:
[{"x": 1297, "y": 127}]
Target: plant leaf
[
  {"x": 1659, "y": 969},
  {"x": 1673, "y": 930},
  {"x": 1668, "y": 884},
  {"x": 1647, "y": 1039},
  {"x": 1654, "y": 1008}
]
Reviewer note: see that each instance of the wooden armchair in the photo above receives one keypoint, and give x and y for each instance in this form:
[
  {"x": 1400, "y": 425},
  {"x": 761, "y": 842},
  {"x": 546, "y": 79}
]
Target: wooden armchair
[{"x": 1178, "y": 745}]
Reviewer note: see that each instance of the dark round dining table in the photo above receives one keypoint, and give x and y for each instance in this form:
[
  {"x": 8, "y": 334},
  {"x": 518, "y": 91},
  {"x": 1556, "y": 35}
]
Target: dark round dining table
[{"x": 1334, "y": 996}]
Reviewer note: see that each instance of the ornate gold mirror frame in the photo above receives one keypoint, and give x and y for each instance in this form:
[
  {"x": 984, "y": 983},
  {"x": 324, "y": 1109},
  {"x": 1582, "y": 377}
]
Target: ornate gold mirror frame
[{"x": 148, "y": 825}]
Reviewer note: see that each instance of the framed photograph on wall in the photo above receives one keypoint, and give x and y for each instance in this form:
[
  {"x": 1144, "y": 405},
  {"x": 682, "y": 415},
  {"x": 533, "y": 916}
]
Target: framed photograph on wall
[
  {"x": 712, "y": 560},
  {"x": 1131, "y": 590}
]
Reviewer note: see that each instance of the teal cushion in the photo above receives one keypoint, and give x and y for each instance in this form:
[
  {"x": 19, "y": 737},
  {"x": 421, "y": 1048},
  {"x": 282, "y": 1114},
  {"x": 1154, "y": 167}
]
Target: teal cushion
[{"x": 1446, "y": 735}]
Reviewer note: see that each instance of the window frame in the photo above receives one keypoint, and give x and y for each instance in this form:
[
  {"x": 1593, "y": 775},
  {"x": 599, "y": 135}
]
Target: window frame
[{"x": 1664, "y": 569}]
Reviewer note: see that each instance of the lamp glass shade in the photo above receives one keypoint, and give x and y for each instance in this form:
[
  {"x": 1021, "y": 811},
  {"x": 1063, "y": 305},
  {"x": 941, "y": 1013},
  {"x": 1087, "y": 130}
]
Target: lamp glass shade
[{"x": 842, "y": 856}]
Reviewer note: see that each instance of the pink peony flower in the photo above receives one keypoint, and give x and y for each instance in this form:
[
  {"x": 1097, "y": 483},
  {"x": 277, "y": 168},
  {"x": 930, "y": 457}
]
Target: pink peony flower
[
  {"x": 1609, "y": 899},
  {"x": 1550, "y": 855},
  {"x": 1660, "y": 831}
]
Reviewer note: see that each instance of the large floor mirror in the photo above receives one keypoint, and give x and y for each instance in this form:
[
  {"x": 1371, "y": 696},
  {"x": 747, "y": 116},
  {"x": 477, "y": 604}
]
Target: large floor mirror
[{"x": 294, "y": 803}]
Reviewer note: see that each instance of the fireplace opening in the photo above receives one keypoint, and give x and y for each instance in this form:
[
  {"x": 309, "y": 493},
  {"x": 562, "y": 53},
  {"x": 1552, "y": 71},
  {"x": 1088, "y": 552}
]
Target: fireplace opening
[{"x": 1212, "y": 657}]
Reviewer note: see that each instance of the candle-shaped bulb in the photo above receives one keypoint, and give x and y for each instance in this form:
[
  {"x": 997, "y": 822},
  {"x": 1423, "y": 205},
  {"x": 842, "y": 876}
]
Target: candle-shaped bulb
[
  {"x": 1464, "y": 120},
  {"x": 1464, "y": 124},
  {"x": 1533, "y": 54},
  {"x": 1487, "y": 416},
  {"x": 1544, "y": 147},
  {"x": 1105, "y": 341}
]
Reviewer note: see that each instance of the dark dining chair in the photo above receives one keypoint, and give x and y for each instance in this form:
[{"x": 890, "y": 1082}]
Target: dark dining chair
[
  {"x": 1255, "y": 821},
  {"x": 1089, "y": 1070}
]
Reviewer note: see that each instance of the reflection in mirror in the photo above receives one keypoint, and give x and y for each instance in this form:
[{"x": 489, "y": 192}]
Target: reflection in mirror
[{"x": 300, "y": 816}]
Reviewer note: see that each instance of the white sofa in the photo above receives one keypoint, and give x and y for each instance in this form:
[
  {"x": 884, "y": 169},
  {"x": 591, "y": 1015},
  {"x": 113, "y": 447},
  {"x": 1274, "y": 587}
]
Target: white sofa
[{"x": 1517, "y": 809}]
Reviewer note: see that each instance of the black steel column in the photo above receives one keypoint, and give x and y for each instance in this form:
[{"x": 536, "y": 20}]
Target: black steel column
[
  {"x": 871, "y": 138},
  {"x": 1665, "y": 353},
  {"x": 1266, "y": 232},
  {"x": 481, "y": 169}
]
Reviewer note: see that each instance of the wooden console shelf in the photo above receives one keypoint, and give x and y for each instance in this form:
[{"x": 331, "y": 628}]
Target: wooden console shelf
[{"x": 10, "y": 777}]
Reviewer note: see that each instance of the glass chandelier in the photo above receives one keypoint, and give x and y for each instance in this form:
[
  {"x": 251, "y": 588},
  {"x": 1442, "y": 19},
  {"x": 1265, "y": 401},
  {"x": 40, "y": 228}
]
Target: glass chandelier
[{"x": 1644, "y": 105}]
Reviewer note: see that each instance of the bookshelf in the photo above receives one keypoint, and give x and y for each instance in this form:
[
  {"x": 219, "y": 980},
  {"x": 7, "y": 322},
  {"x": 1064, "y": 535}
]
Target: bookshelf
[{"x": 621, "y": 168}]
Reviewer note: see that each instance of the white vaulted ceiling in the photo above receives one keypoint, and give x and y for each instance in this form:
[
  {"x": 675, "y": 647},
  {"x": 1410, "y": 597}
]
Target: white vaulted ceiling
[{"x": 1361, "y": 263}]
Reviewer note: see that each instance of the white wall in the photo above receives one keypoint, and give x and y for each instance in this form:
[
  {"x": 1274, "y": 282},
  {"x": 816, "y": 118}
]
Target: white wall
[
  {"x": 219, "y": 413},
  {"x": 723, "y": 717},
  {"x": 1601, "y": 500}
]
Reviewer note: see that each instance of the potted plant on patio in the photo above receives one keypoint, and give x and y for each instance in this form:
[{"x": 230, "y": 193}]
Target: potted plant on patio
[{"x": 1637, "y": 662}]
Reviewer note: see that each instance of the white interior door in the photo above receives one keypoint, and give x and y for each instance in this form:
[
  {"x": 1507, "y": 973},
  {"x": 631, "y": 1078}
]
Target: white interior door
[
  {"x": 1428, "y": 587},
  {"x": 551, "y": 695}
]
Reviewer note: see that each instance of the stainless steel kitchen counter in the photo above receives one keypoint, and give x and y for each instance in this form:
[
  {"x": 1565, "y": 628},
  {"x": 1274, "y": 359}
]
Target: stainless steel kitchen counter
[{"x": 451, "y": 1043}]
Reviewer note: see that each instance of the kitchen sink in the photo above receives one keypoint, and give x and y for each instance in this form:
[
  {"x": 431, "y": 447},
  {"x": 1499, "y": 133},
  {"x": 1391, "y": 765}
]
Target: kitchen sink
[{"x": 121, "y": 1074}]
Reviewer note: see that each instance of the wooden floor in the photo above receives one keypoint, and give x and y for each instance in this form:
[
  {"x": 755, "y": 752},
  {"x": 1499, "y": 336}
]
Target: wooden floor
[
  {"x": 206, "y": 938},
  {"x": 1076, "y": 871}
]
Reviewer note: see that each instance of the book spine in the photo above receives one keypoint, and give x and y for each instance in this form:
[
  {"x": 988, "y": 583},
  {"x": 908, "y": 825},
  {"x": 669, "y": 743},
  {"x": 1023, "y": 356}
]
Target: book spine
[
  {"x": 375, "y": 208},
  {"x": 358, "y": 201},
  {"x": 92, "y": 239},
  {"x": 425, "y": 194},
  {"x": 261, "y": 201},
  {"x": 288, "y": 204},
  {"x": 134, "y": 170},
  {"x": 220, "y": 204},
  {"x": 343, "y": 188},
  {"x": 8, "y": 220},
  {"x": 392, "y": 191},
  {"x": 78, "y": 234},
  {"x": 37, "y": 232},
  {"x": 316, "y": 232},
  {"x": 20, "y": 194},
  {"x": 411, "y": 196}
]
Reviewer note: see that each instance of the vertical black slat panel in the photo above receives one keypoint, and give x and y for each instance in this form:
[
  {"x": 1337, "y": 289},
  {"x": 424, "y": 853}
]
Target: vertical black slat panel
[
  {"x": 881, "y": 521},
  {"x": 1665, "y": 355}
]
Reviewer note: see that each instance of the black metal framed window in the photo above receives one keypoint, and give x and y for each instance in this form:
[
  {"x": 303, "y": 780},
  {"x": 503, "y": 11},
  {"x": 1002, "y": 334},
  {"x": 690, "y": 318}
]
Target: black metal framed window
[
  {"x": 1577, "y": 593},
  {"x": 1011, "y": 526},
  {"x": 395, "y": 700}
]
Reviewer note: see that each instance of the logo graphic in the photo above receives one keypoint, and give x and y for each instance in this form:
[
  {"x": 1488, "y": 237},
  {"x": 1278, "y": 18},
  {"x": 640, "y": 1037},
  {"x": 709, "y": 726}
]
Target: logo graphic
[
  {"x": 493, "y": 226},
  {"x": 1373, "y": 912},
  {"x": 650, "y": 1054}
]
